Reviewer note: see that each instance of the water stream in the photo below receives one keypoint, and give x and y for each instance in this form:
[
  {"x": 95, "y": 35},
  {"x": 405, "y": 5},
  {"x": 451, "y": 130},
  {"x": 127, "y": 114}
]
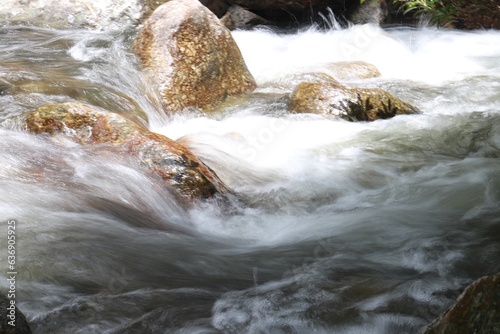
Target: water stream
[{"x": 344, "y": 228}]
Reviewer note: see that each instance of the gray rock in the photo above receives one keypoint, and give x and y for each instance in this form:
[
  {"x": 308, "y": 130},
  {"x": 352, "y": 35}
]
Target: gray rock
[
  {"x": 7, "y": 315},
  {"x": 370, "y": 11},
  {"x": 238, "y": 17}
]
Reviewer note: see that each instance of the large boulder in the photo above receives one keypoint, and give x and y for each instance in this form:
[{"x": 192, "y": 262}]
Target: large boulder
[
  {"x": 477, "y": 310},
  {"x": 191, "y": 57},
  {"x": 349, "y": 103},
  {"x": 177, "y": 166}
]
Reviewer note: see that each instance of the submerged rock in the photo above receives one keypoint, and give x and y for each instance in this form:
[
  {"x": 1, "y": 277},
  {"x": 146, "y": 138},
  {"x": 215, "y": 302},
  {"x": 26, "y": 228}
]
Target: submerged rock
[
  {"x": 351, "y": 70},
  {"x": 352, "y": 104},
  {"x": 477, "y": 310},
  {"x": 191, "y": 57},
  {"x": 176, "y": 165}
]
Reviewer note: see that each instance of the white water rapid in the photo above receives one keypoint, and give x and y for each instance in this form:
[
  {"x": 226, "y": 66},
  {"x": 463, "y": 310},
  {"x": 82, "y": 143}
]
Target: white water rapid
[{"x": 343, "y": 227}]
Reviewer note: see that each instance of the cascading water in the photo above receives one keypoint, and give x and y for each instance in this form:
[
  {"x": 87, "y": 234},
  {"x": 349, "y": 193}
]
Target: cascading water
[{"x": 343, "y": 227}]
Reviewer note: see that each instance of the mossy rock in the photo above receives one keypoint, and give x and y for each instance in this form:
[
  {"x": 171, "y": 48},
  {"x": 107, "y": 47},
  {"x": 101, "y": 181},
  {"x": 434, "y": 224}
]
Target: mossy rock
[
  {"x": 477, "y": 310},
  {"x": 349, "y": 103}
]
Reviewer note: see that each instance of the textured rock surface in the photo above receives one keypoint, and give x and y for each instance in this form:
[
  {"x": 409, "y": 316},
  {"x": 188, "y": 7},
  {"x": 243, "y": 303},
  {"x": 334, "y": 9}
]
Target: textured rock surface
[
  {"x": 21, "y": 326},
  {"x": 163, "y": 156},
  {"x": 371, "y": 11},
  {"x": 479, "y": 14},
  {"x": 477, "y": 310},
  {"x": 352, "y": 104},
  {"x": 302, "y": 12},
  {"x": 191, "y": 57},
  {"x": 238, "y": 17}
]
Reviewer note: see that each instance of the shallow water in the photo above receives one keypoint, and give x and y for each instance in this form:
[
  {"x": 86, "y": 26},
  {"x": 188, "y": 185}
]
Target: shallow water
[{"x": 343, "y": 227}]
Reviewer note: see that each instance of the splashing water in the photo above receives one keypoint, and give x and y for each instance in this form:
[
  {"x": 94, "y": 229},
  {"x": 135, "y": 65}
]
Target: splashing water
[{"x": 344, "y": 227}]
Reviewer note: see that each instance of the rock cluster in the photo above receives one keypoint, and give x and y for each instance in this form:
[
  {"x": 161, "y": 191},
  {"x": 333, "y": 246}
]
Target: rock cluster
[
  {"x": 120, "y": 14},
  {"x": 302, "y": 12}
]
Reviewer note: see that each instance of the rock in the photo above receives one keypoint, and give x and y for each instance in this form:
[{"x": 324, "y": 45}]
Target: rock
[
  {"x": 120, "y": 14},
  {"x": 352, "y": 104},
  {"x": 191, "y": 57},
  {"x": 477, "y": 310},
  {"x": 351, "y": 70},
  {"x": 102, "y": 14},
  {"x": 218, "y": 7},
  {"x": 238, "y": 17},
  {"x": 370, "y": 11},
  {"x": 293, "y": 13},
  {"x": 80, "y": 90},
  {"x": 21, "y": 325},
  {"x": 478, "y": 14},
  {"x": 177, "y": 166}
]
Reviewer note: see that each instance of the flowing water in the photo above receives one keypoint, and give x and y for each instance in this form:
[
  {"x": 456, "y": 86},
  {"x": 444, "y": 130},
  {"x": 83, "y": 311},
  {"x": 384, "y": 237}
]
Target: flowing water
[{"x": 343, "y": 227}]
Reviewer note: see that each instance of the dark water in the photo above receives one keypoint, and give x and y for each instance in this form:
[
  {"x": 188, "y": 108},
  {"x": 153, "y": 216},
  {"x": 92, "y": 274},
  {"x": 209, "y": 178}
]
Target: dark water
[{"x": 345, "y": 228}]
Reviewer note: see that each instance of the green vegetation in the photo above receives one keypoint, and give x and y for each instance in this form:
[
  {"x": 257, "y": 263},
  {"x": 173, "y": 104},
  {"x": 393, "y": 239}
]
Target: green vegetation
[{"x": 442, "y": 12}]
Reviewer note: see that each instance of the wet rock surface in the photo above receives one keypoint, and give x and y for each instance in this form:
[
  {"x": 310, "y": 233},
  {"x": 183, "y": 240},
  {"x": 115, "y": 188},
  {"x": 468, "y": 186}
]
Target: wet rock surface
[
  {"x": 191, "y": 57},
  {"x": 8, "y": 318},
  {"x": 176, "y": 165},
  {"x": 477, "y": 310},
  {"x": 349, "y": 103}
]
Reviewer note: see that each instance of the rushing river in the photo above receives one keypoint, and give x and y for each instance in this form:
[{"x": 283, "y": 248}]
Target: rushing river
[{"x": 343, "y": 227}]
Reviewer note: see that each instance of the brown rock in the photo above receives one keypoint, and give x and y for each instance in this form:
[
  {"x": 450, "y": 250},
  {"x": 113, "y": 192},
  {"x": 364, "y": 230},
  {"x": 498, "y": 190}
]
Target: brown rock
[
  {"x": 191, "y": 57},
  {"x": 478, "y": 14},
  {"x": 161, "y": 155},
  {"x": 238, "y": 17},
  {"x": 477, "y": 310},
  {"x": 352, "y": 104},
  {"x": 370, "y": 11},
  {"x": 351, "y": 70},
  {"x": 292, "y": 13}
]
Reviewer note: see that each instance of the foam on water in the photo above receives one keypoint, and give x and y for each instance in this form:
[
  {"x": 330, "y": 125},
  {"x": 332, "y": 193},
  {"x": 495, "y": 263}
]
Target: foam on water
[
  {"x": 428, "y": 55},
  {"x": 338, "y": 227}
]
